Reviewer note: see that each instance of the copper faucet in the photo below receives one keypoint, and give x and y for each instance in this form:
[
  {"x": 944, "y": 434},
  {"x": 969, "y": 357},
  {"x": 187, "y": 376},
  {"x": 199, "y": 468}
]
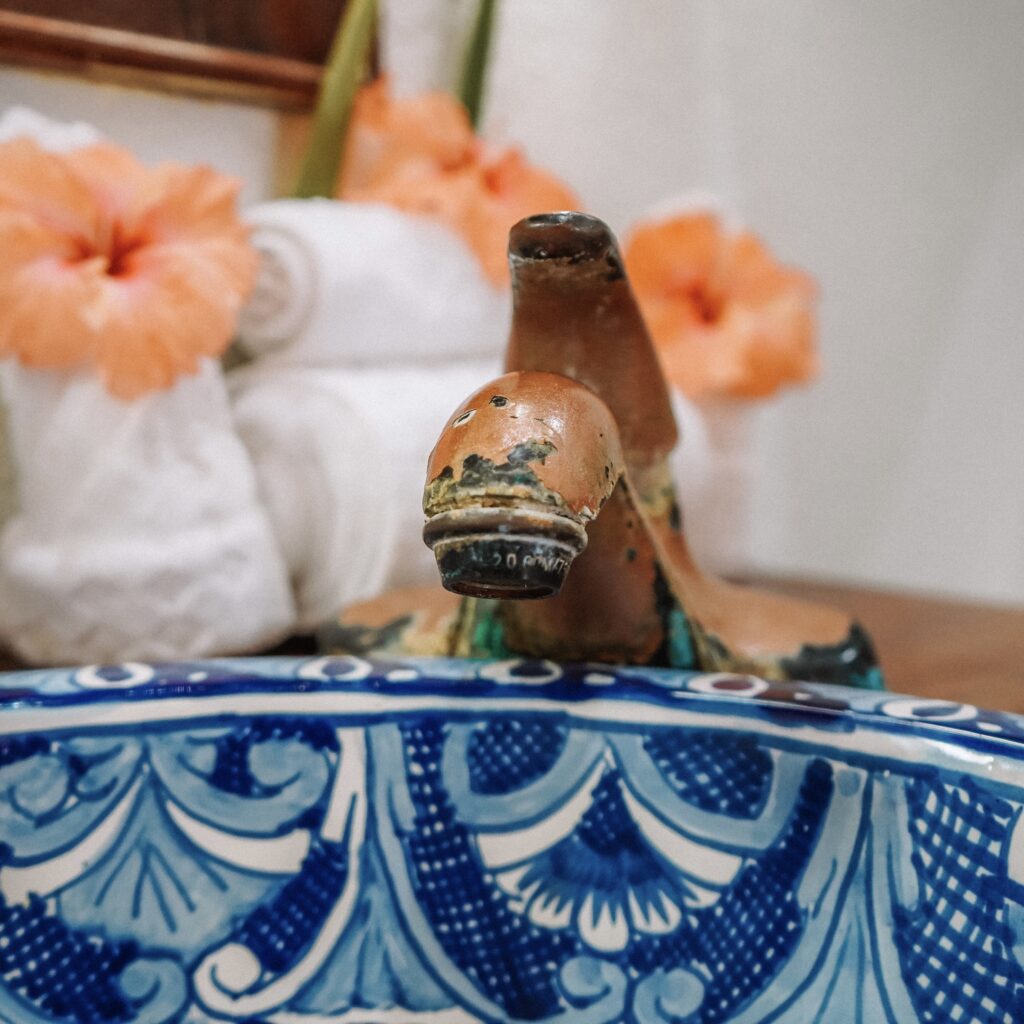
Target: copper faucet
[{"x": 551, "y": 509}]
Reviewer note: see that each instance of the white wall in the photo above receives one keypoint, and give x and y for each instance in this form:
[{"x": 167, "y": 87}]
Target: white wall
[
  {"x": 880, "y": 145},
  {"x": 235, "y": 139}
]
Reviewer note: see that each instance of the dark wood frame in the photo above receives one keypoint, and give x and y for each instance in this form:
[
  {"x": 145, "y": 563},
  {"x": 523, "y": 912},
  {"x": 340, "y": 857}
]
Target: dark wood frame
[{"x": 155, "y": 62}]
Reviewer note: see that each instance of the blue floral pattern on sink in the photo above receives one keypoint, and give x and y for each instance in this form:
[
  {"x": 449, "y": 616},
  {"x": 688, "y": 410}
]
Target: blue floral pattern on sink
[{"x": 335, "y": 840}]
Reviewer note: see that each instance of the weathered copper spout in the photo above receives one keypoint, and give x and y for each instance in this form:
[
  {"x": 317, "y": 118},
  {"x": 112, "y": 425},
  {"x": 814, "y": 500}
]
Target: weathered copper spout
[
  {"x": 520, "y": 468},
  {"x": 586, "y": 380}
]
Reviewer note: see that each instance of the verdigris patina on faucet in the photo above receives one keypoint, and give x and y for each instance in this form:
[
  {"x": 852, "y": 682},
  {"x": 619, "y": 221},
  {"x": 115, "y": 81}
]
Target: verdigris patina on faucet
[{"x": 552, "y": 484}]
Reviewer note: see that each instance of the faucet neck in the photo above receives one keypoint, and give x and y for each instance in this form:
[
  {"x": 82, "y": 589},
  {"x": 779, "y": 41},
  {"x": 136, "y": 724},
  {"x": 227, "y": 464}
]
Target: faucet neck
[{"x": 574, "y": 313}]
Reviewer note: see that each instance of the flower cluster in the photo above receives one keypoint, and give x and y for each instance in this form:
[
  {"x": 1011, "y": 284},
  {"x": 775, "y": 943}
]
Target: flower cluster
[
  {"x": 728, "y": 320},
  {"x": 136, "y": 271},
  {"x": 421, "y": 155},
  {"x": 141, "y": 271}
]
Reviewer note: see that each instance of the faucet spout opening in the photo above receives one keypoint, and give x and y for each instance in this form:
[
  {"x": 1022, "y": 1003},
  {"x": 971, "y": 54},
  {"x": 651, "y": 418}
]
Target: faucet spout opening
[
  {"x": 564, "y": 235},
  {"x": 504, "y": 552}
]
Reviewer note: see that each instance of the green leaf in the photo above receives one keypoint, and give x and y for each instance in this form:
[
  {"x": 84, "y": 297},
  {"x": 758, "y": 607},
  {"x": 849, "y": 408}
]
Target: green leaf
[
  {"x": 343, "y": 74},
  {"x": 474, "y": 67}
]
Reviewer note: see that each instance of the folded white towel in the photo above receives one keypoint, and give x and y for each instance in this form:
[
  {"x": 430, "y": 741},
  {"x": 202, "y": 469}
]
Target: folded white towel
[
  {"x": 138, "y": 534},
  {"x": 359, "y": 284},
  {"x": 367, "y": 327},
  {"x": 341, "y": 455}
]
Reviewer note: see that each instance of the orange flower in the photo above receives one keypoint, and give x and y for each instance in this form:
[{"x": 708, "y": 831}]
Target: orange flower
[
  {"x": 138, "y": 271},
  {"x": 420, "y": 155},
  {"x": 727, "y": 319},
  {"x": 427, "y": 133},
  {"x": 508, "y": 189}
]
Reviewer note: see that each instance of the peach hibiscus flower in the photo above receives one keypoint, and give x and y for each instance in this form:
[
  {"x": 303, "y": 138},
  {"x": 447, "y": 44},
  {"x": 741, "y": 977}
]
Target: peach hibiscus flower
[
  {"x": 136, "y": 271},
  {"x": 420, "y": 155},
  {"x": 426, "y": 133},
  {"x": 726, "y": 318}
]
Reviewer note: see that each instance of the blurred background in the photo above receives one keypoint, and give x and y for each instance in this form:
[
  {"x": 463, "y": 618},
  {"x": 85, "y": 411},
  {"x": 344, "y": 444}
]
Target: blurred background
[{"x": 879, "y": 146}]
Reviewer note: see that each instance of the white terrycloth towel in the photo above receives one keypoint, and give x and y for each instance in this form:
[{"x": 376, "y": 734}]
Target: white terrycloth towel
[
  {"x": 341, "y": 457},
  {"x": 369, "y": 327},
  {"x": 360, "y": 284},
  {"x": 138, "y": 533}
]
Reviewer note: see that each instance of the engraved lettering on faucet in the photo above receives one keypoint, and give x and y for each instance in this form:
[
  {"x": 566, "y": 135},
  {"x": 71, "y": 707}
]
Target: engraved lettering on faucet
[{"x": 549, "y": 563}]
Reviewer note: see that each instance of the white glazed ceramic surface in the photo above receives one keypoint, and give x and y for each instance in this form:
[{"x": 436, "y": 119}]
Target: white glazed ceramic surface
[{"x": 330, "y": 839}]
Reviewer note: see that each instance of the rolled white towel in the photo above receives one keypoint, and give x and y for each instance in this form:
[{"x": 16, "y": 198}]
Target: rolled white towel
[
  {"x": 359, "y": 284},
  {"x": 138, "y": 533}
]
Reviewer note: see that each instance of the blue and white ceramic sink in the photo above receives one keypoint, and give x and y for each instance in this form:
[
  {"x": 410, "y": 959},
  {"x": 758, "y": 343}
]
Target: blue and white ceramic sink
[{"x": 331, "y": 840}]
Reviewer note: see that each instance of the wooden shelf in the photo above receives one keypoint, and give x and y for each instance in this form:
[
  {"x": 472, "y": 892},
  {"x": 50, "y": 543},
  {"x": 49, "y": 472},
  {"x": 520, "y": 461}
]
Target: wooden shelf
[{"x": 157, "y": 62}]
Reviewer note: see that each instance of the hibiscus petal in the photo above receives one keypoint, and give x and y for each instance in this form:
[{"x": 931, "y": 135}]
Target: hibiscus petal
[
  {"x": 674, "y": 255},
  {"x": 727, "y": 319},
  {"x": 24, "y": 239},
  {"x": 111, "y": 174},
  {"x": 186, "y": 204},
  {"x": 45, "y": 186},
  {"x": 44, "y": 302},
  {"x": 511, "y": 190},
  {"x": 136, "y": 356},
  {"x": 385, "y": 135},
  {"x": 159, "y": 326}
]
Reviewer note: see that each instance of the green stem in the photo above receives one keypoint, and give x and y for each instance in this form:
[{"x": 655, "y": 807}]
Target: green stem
[
  {"x": 474, "y": 67},
  {"x": 343, "y": 74}
]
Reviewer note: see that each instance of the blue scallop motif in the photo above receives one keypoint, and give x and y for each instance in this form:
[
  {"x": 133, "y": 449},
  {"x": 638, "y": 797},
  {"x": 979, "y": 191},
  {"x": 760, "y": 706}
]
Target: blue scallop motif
[
  {"x": 54, "y": 794},
  {"x": 506, "y": 754},
  {"x": 506, "y": 957},
  {"x": 232, "y": 770},
  {"x": 603, "y": 889},
  {"x": 156, "y": 887},
  {"x": 606, "y": 865},
  {"x": 725, "y": 773}
]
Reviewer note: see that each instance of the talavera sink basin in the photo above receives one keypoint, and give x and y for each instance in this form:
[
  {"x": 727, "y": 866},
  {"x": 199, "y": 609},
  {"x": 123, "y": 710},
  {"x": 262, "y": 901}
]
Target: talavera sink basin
[{"x": 323, "y": 840}]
